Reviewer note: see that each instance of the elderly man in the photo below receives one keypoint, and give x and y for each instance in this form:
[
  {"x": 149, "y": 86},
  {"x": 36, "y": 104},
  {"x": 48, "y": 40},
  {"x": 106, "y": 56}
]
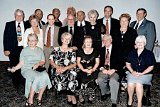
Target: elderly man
[
  {"x": 109, "y": 69},
  {"x": 145, "y": 27},
  {"x": 13, "y": 44}
]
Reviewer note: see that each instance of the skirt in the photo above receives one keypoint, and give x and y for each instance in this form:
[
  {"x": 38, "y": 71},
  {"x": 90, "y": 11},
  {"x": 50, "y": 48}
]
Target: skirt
[{"x": 144, "y": 79}]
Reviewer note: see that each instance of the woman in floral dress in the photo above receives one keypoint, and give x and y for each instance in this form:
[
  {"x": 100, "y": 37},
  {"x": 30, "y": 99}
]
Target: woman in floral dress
[{"x": 63, "y": 62}]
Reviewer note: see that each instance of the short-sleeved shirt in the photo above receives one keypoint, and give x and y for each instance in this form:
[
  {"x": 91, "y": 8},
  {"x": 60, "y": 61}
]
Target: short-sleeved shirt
[
  {"x": 141, "y": 62},
  {"x": 88, "y": 60}
]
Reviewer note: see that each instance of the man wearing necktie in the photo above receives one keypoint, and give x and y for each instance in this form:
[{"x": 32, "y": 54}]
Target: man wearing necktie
[
  {"x": 69, "y": 28},
  {"x": 109, "y": 70},
  {"x": 13, "y": 44},
  {"x": 145, "y": 27},
  {"x": 112, "y": 24},
  {"x": 50, "y": 32}
]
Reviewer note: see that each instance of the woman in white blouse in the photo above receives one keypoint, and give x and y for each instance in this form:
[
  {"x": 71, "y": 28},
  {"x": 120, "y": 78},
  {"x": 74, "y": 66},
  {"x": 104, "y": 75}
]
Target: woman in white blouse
[{"x": 34, "y": 29}]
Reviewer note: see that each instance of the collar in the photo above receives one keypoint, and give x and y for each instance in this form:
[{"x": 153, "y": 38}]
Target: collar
[
  {"x": 79, "y": 23},
  {"x": 140, "y": 22}
]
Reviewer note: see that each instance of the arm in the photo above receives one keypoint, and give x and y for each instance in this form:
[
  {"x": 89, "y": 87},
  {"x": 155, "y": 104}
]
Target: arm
[
  {"x": 96, "y": 64},
  {"x": 40, "y": 63},
  {"x": 18, "y": 66},
  {"x": 128, "y": 65},
  {"x": 80, "y": 65},
  {"x": 149, "y": 69}
]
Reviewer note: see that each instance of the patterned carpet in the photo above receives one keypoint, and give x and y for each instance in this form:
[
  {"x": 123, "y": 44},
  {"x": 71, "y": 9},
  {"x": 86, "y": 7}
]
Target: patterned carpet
[{"x": 10, "y": 98}]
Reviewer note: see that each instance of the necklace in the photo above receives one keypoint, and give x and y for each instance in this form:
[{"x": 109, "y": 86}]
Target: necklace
[{"x": 139, "y": 61}]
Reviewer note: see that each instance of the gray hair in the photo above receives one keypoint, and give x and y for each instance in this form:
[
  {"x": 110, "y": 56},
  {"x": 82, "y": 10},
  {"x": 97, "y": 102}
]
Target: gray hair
[
  {"x": 19, "y": 10},
  {"x": 141, "y": 37},
  {"x": 93, "y": 12},
  {"x": 108, "y": 36},
  {"x": 33, "y": 35},
  {"x": 65, "y": 34}
]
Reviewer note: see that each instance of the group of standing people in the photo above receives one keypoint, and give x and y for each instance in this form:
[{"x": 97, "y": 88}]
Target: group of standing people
[{"x": 81, "y": 54}]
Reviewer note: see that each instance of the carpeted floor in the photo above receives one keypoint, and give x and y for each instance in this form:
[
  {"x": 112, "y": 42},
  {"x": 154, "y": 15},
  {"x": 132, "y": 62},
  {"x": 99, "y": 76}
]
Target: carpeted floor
[{"x": 10, "y": 98}]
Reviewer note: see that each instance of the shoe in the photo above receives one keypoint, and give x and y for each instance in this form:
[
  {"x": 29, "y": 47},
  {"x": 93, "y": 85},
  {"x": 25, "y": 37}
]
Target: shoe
[
  {"x": 39, "y": 102},
  {"x": 129, "y": 105},
  {"x": 74, "y": 105},
  {"x": 28, "y": 104},
  {"x": 103, "y": 97},
  {"x": 69, "y": 102},
  {"x": 81, "y": 100},
  {"x": 114, "y": 105}
]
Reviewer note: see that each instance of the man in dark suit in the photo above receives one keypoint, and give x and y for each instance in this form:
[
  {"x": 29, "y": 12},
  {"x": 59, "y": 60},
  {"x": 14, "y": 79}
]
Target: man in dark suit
[
  {"x": 112, "y": 24},
  {"x": 80, "y": 24},
  {"x": 69, "y": 28},
  {"x": 145, "y": 27},
  {"x": 39, "y": 14},
  {"x": 53, "y": 39},
  {"x": 109, "y": 69},
  {"x": 13, "y": 44}
]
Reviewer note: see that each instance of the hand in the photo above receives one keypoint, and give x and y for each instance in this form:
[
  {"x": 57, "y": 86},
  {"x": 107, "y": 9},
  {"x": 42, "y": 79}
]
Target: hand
[
  {"x": 111, "y": 71},
  {"x": 6, "y": 53},
  {"x": 35, "y": 66},
  {"x": 105, "y": 71},
  {"x": 13, "y": 69},
  {"x": 74, "y": 48},
  {"x": 134, "y": 73}
]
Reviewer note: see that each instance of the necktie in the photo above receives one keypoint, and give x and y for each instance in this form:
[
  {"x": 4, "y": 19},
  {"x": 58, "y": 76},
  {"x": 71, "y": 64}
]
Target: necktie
[
  {"x": 107, "y": 60},
  {"x": 107, "y": 28},
  {"x": 71, "y": 31},
  {"x": 19, "y": 33},
  {"x": 81, "y": 25},
  {"x": 136, "y": 26},
  {"x": 48, "y": 44}
]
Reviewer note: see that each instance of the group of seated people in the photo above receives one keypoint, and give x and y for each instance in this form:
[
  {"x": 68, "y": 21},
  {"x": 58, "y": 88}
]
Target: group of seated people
[
  {"x": 83, "y": 55},
  {"x": 93, "y": 67}
]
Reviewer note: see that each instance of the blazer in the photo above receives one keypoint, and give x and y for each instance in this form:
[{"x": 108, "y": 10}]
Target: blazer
[
  {"x": 55, "y": 34},
  {"x": 115, "y": 25},
  {"x": 10, "y": 42},
  {"x": 114, "y": 58},
  {"x": 147, "y": 28}
]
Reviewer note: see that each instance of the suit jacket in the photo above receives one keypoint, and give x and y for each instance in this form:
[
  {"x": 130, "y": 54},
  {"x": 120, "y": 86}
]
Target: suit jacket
[
  {"x": 55, "y": 34},
  {"x": 65, "y": 29},
  {"x": 147, "y": 28},
  {"x": 79, "y": 34},
  {"x": 10, "y": 42},
  {"x": 114, "y": 58},
  {"x": 115, "y": 25}
]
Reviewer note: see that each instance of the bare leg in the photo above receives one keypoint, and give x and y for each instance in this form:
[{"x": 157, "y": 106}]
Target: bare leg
[
  {"x": 69, "y": 98},
  {"x": 73, "y": 99},
  {"x": 31, "y": 96},
  {"x": 139, "y": 92},
  {"x": 131, "y": 87},
  {"x": 41, "y": 93}
]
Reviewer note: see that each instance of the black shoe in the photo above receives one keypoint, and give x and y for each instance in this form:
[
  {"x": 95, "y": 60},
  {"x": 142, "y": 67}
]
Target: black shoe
[
  {"x": 129, "y": 105},
  {"x": 114, "y": 105},
  {"x": 103, "y": 97},
  {"x": 74, "y": 105}
]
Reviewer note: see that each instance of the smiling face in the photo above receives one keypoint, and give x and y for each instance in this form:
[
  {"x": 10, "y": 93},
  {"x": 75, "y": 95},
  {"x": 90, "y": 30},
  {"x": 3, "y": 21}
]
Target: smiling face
[
  {"x": 32, "y": 41},
  {"x": 107, "y": 12},
  {"x": 34, "y": 22},
  {"x": 92, "y": 18},
  {"x": 124, "y": 22},
  {"x": 19, "y": 16},
  {"x": 107, "y": 41},
  {"x": 66, "y": 38},
  {"x": 140, "y": 15},
  {"x": 51, "y": 20},
  {"x": 88, "y": 43},
  {"x": 70, "y": 20},
  {"x": 80, "y": 16},
  {"x": 140, "y": 44}
]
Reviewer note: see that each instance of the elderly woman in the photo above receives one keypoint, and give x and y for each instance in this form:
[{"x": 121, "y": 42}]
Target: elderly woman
[
  {"x": 94, "y": 29},
  {"x": 34, "y": 21},
  {"x": 88, "y": 62},
  {"x": 31, "y": 58},
  {"x": 63, "y": 61},
  {"x": 124, "y": 39},
  {"x": 140, "y": 63}
]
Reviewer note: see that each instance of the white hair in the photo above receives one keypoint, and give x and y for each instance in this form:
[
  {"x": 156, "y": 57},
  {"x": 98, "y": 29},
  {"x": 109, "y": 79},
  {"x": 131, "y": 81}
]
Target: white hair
[{"x": 141, "y": 37}]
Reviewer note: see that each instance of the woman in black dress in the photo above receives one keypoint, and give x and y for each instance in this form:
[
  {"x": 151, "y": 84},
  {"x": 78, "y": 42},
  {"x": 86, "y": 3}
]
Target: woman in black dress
[
  {"x": 94, "y": 29},
  {"x": 87, "y": 61}
]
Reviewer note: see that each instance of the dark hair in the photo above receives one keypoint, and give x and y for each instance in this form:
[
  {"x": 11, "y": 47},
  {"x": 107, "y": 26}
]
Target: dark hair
[
  {"x": 144, "y": 10},
  {"x": 50, "y": 15},
  {"x": 108, "y": 7},
  {"x": 38, "y": 10}
]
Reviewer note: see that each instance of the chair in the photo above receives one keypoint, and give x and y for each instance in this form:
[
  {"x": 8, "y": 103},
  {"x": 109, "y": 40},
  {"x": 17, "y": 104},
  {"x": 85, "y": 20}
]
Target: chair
[{"x": 146, "y": 97}]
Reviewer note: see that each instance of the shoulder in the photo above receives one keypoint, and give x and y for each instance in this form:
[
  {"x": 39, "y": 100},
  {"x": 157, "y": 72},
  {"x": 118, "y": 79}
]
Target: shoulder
[{"x": 56, "y": 48}]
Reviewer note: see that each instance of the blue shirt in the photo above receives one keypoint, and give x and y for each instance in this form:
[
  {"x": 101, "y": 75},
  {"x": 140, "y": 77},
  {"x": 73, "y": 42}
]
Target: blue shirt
[{"x": 141, "y": 62}]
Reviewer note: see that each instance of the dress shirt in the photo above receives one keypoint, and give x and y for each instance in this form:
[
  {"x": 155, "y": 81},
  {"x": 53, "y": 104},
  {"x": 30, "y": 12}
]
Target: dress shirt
[
  {"x": 79, "y": 23},
  {"x": 140, "y": 22},
  {"x": 52, "y": 34},
  {"x": 20, "y": 43},
  {"x": 109, "y": 23}
]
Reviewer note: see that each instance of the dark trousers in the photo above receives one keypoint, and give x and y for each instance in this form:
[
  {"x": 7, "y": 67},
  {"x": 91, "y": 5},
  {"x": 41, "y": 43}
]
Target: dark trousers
[{"x": 17, "y": 78}]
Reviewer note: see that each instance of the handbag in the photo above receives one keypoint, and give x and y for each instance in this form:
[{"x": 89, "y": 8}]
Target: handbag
[{"x": 40, "y": 69}]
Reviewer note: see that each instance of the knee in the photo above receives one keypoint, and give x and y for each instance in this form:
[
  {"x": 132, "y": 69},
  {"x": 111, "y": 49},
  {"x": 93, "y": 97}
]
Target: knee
[{"x": 99, "y": 80}]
